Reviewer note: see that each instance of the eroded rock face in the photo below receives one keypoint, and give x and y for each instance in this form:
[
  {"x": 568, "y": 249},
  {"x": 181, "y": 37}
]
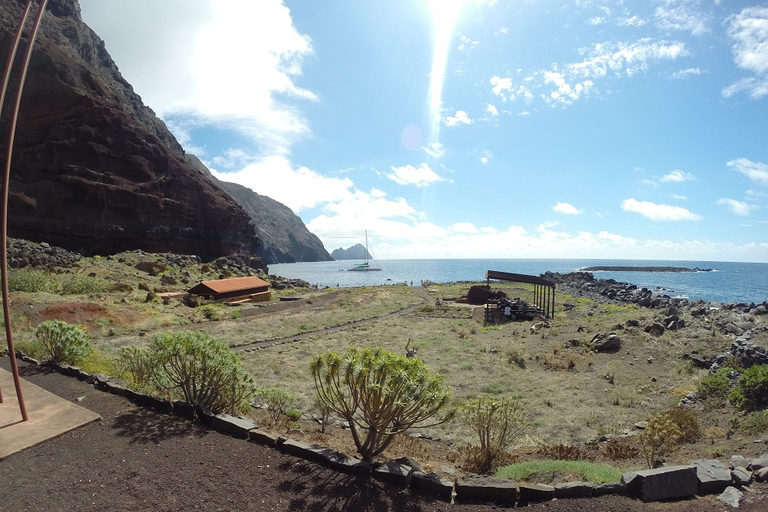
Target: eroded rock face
[{"x": 94, "y": 170}]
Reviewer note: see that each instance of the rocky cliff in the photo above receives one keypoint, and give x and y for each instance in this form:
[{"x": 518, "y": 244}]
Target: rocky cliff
[
  {"x": 94, "y": 169},
  {"x": 356, "y": 252},
  {"x": 283, "y": 236}
]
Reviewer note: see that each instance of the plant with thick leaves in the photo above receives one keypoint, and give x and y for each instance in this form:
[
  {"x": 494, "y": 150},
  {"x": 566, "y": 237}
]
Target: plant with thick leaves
[
  {"x": 498, "y": 422},
  {"x": 63, "y": 343},
  {"x": 204, "y": 369},
  {"x": 380, "y": 394}
]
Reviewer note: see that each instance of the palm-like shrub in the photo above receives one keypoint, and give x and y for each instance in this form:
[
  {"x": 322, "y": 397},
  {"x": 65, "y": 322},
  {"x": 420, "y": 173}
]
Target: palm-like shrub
[
  {"x": 203, "y": 369},
  {"x": 379, "y": 393},
  {"x": 63, "y": 343}
]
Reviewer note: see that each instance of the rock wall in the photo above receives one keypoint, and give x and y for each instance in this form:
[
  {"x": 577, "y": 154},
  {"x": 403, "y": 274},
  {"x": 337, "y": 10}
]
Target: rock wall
[{"x": 94, "y": 170}]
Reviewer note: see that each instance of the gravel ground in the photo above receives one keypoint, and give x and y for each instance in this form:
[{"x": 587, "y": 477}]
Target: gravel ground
[{"x": 137, "y": 459}]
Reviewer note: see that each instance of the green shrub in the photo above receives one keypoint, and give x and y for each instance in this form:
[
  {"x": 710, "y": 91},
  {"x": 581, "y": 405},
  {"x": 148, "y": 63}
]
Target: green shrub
[
  {"x": 498, "y": 422},
  {"x": 32, "y": 281},
  {"x": 755, "y": 422},
  {"x": 203, "y": 369},
  {"x": 79, "y": 284},
  {"x": 379, "y": 393},
  {"x": 688, "y": 423},
  {"x": 276, "y": 401},
  {"x": 63, "y": 343},
  {"x": 716, "y": 387},
  {"x": 660, "y": 437},
  {"x": 752, "y": 388},
  {"x": 293, "y": 414},
  {"x": 138, "y": 366}
]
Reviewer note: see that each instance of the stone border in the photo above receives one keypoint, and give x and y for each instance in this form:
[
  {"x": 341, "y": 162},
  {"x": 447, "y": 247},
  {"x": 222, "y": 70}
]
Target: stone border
[{"x": 699, "y": 478}]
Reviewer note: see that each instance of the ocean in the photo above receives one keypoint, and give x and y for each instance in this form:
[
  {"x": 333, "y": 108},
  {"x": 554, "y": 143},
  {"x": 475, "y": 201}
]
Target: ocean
[{"x": 727, "y": 282}]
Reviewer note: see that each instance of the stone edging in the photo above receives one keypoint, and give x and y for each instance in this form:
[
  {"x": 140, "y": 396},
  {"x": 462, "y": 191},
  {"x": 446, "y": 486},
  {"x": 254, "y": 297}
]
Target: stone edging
[{"x": 700, "y": 477}]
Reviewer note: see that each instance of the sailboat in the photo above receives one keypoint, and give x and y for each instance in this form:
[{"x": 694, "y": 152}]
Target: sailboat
[{"x": 366, "y": 266}]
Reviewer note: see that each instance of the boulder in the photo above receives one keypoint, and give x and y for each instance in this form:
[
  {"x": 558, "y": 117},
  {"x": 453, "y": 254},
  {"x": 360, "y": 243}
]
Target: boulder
[
  {"x": 655, "y": 329},
  {"x": 741, "y": 476},
  {"x": 606, "y": 343},
  {"x": 535, "y": 493},
  {"x": 394, "y": 472},
  {"x": 713, "y": 476},
  {"x": 432, "y": 483},
  {"x": 731, "y": 496},
  {"x": 574, "y": 489},
  {"x": 474, "y": 487},
  {"x": 662, "y": 483}
]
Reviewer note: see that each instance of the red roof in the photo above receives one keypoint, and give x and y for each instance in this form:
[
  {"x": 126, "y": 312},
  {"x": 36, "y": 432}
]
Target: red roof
[{"x": 235, "y": 284}]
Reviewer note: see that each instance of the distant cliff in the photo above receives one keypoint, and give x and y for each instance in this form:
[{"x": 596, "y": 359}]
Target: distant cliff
[
  {"x": 96, "y": 171},
  {"x": 283, "y": 236},
  {"x": 356, "y": 252}
]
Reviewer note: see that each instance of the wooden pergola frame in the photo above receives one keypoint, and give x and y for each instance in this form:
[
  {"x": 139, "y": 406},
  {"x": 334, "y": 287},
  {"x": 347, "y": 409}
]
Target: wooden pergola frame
[{"x": 543, "y": 290}]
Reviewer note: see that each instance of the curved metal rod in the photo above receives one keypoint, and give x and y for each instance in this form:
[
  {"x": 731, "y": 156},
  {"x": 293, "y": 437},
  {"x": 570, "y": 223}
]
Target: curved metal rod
[{"x": 7, "y": 184}]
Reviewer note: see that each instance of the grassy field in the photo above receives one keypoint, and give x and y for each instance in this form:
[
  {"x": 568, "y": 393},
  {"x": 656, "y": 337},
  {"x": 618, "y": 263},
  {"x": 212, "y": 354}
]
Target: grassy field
[{"x": 572, "y": 393}]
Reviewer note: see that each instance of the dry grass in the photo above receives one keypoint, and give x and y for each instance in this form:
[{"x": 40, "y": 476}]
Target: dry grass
[{"x": 572, "y": 393}]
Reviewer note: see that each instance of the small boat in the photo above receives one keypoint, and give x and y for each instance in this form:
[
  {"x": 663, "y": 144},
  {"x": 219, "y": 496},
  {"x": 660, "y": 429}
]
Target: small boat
[{"x": 366, "y": 266}]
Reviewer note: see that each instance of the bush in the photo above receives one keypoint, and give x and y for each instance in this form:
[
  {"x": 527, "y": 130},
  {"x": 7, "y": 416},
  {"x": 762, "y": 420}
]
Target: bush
[
  {"x": 204, "y": 369},
  {"x": 752, "y": 388},
  {"x": 755, "y": 422},
  {"x": 660, "y": 437},
  {"x": 79, "y": 284},
  {"x": 715, "y": 388},
  {"x": 276, "y": 401},
  {"x": 63, "y": 343},
  {"x": 688, "y": 423},
  {"x": 379, "y": 393},
  {"x": 498, "y": 422},
  {"x": 32, "y": 281},
  {"x": 138, "y": 366}
]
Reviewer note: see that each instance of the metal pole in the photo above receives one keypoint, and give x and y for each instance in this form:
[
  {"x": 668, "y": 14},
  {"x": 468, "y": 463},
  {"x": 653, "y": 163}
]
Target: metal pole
[{"x": 7, "y": 184}]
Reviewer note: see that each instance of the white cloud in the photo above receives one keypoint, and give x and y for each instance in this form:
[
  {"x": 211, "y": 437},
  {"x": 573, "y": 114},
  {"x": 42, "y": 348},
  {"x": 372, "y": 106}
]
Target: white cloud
[
  {"x": 736, "y": 207},
  {"x": 463, "y": 227},
  {"x": 420, "y": 176},
  {"x": 658, "y": 212},
  {"x": 465, "y": 43},
  {"x": 755, "y": 171},
  {"x": 677, "y": 176},
  {"x": 633, "y": 21},
  {"x": 682, "y": 15},
  {"x": 491, "y": 109},
  {"x": 435, "y": 149},
  {"x": 679, "y": 197},
  {"x": 566, "y": 208},
  {"x": 461, "y": 117},
  {"x": 603, "y": 60},
  {"x": 275, "y": 177},
  {"x": 748, "y": 31},
  {"x": 505, "y": 89},
  {"x": 206, "y": 63},
  {"x": 686, "y": 73}
]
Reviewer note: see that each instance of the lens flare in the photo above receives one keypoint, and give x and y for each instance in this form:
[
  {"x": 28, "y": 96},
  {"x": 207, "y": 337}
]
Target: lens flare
[{"x": 445, "y": 14}]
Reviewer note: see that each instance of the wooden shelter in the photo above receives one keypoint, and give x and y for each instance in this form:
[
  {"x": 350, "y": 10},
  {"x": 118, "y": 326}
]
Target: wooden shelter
[
  {"x": 235, "y": 289},
  {"x": 543, "y": 290}
]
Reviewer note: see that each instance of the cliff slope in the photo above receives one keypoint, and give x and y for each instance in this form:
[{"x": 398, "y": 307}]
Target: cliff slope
[{"x": 94, "y": 169}]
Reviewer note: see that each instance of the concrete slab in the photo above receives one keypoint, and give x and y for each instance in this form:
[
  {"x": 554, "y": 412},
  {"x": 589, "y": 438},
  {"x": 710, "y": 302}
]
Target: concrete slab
[{"x": 48, "y": 415}]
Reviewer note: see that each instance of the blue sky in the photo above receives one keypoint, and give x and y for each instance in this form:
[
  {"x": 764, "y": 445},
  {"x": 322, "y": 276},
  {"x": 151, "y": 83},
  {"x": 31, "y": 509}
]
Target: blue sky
[{"x": 472, "y": 128}]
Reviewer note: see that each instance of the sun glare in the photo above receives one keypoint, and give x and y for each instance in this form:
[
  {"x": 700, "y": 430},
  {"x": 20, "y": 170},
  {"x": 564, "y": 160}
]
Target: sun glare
[{"x": 445, "y": 14}]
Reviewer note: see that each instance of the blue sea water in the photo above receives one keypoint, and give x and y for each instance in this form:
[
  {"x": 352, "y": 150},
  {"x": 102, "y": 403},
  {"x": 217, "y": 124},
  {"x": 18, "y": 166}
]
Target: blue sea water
[{"x": 728, "y": 282}]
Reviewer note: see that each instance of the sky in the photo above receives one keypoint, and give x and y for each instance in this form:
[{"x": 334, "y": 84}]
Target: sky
[{"x": 472, "y": 128}]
